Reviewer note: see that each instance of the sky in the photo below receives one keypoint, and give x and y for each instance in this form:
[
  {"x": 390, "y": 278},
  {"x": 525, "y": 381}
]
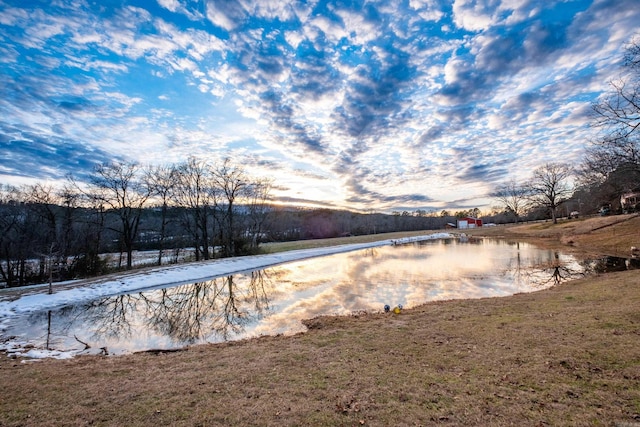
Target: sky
[{"x": 365, "y": 105}]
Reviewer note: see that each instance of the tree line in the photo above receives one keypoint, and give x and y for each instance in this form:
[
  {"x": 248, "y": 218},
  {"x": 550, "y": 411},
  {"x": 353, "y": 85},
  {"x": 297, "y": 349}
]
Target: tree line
[{"x": 217, "y": 210}]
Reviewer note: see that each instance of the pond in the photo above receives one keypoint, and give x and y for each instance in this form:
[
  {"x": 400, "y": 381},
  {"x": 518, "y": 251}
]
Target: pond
[{"x": 275, "y": 300}]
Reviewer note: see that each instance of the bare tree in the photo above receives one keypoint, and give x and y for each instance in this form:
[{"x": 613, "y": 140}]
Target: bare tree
[
  {"x": 68, "y": 239},
  {"x": 161, "y": 181},
  {"x": 619, "y": 111},
  {"x": 124, "y": 193},
  {"x": 513, "y": 196},
  {"x": 258, "y": 208},
  {"x": 92, "y": 227},
  {"x": 231, "y": 183},
  {"x": 193, "y": 192},
  {"x": 549, "y": 186},
  {"x": 43, "y": 202},
  {"x": 12, "y": 253},
  {"x": 617, "y": 116}
]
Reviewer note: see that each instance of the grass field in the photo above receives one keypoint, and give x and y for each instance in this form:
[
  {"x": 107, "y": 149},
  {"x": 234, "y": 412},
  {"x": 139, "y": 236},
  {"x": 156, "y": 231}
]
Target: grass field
[{"x": 564, "y": 356}]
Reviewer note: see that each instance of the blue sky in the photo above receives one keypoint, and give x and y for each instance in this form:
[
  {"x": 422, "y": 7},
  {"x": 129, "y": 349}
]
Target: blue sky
[{"x": 382, "y": 105}]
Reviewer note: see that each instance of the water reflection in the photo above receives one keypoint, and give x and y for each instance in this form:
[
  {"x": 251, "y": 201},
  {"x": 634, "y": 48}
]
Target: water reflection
[
  {"x": 611, "y": 263},
  {"x": 276, "y": 300}
]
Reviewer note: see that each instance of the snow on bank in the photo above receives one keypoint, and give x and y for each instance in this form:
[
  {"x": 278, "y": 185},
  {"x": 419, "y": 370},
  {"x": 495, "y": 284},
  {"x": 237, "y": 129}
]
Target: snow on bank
[
  {"x": 15, "y": 348},
  {"x": 177, "y": 275}
]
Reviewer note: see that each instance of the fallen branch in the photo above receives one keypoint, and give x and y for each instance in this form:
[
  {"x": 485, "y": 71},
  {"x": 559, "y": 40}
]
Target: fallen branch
[
  {"x": 86, "y": 346},
  {"x": 158, "y": 351}
]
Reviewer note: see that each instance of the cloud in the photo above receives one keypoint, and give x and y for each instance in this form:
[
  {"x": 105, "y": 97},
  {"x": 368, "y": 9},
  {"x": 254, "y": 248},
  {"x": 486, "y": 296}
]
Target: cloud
[
  {"x": 226, "y": 14},
  {"x": 282, "y": 116},
  {"x": 483, "y": 172},
  {"x": 428, "y": 10},
  {"x": 433, "y": 134},
  {"x": 287, "y": 200},
  {"x": 362, "y": 196},
  {"x": 183, "y": 7},
  {"x": 275, "y": 9},
  {"x": 29, "y": 152},
  {"x": 473, "y": 15},
  {"x": 313, "y": 73},
  {"x": 374, "y": 95},
  {"x": 360, "y": 28}
]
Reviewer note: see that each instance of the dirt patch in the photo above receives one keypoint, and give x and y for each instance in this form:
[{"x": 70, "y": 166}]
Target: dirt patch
[{"x": 563, "y": 356}]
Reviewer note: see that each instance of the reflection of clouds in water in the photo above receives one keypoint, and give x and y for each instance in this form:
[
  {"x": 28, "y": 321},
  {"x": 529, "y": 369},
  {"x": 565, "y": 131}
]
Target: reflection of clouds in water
[
  {"x": 309, "y": 303},
  {"x": 408, "y": 275},
  {"x": 278, "y": 299},
  {"x": 437, "y": 262}
]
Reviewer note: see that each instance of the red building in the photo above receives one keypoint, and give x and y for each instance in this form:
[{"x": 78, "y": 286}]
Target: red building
[{"x": 469, "y": 222}]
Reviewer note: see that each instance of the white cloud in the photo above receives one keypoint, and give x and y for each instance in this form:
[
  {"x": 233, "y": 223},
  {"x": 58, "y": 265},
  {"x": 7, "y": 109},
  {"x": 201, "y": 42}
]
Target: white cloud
[
  {"x": 357, "y": 29},
  {"x": 472, "y": 15},
  {"x": 172, "y": 5},
  {"x": 195, "y": 43},
  {"x": 177, "y": 6},
  {"x": 428, "y": 10},
  {"x": 8, "y": 55},
  {"x": 294, "y": 38},
  {"x": 88, "y": 37},
  {"x": 330, "y": 29},
  {"x": 315, "y": 110},
  {"x": 40, "y": 33},
  {"x": 270, "y": 9},
  {"x": 11, "y": 16},
  {"x": 217, "y": 91},
  {"x": 227, "y": 15},
  {"x": 520, "y": 10},
  {"x": 103, "y": 66}
]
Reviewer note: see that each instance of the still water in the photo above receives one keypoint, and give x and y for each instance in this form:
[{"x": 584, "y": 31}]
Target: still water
[{"x": 276, "y": 300}]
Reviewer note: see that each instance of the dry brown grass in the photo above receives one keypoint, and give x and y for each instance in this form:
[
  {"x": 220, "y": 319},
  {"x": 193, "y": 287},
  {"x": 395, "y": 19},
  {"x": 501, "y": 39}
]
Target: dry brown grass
[
  {"x": 564, "y": 356},
  {"x": 610, "y": 235}
]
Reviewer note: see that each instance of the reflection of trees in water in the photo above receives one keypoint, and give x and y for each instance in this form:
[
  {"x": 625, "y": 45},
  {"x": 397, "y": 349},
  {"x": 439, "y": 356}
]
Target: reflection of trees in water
[
  {"x": 515, "y": 267},
  {"x": 187, "y": 313},
  {"x": 545, "y": 269},
  {"x": 258, "y": 291},
  {"x": 555, "y": 271},
  {"x": 558, "y": 271},
  {"x": 110, "y": 316},
  {"x": 54, "y": 326},
  {"x": 369, "y": 252},
  {"x": 217, "y": 309},
  {"x": 561, "y": 272},
  {"x": 180, "y": 312},
  {"x": 611, "y": 263}
]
